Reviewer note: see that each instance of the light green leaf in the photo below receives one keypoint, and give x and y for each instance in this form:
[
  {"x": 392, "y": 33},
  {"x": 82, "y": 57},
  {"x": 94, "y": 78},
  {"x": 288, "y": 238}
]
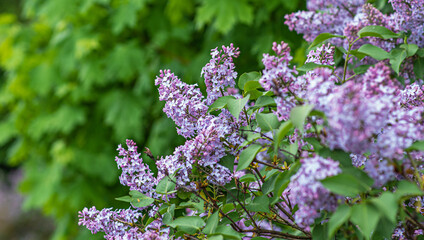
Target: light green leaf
[
  {"x": 267, "y": 121},
  {"x": 124, "y": 199},
  {"x": 247, "y": 156},
  {"x": 339, "y": 217},
  {"x": 366, "y": 217},
  {"x": 416, "y": 146},
  {"x": 235, "y": 106},
  {"x": 311, "y": 66},
  {"x": 140, "y": 200},
  {"x": 247, "y": 77},
  {"x": 410, "y": 49},
  {"x": 211, "y": 223},
  {"x": 345, "y": 184},
  {"x": 220, "y": 103},
  {"x": 298, "y": 115},
  {"x": 264, "y": 101},
  {"x": 166, "y": 185},
  {"x": 387, "y": 203},
  {"x": 406, "y": 188},
  {"x": 397, "y": 55},
  {"x": 374, "y": 52},
  {"x": 188, "y": 224},
  {"x": 259, "y": 204},
  {"x": 282, "y": 131}
]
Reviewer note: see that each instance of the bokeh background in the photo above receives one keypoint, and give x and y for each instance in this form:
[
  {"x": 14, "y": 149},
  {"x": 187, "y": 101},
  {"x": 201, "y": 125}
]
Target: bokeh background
[{"x": 77, "y": 79}]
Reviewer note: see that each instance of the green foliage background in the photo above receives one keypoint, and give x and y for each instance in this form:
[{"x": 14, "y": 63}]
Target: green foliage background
[{"x": 77, "y": 79}]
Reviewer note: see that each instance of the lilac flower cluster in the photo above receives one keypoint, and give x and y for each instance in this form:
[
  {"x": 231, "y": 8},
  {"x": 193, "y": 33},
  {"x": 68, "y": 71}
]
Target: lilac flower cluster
[
  {"x": 184, "y": 102},
  {"x": 219, "y": 72},
  {"x": 135, "y": 174},
  {"x": 280, "y": 78},
  {"x": 409, "y": 16},
  {"x": 322, "y": 55},
  {"x": 379, "y": 169},
  {"x": 308, "y": 193}
]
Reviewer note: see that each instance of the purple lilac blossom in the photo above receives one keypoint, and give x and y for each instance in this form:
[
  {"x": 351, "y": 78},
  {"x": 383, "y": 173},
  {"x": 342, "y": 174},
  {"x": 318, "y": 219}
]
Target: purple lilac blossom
[
  {"x": 110, "y": 222},
  {"x": 379, "y": 169},
  {"x": 409, "y": 16},
  {"x": 219, "y": 72},
  {"x": 135, "y": 173},
  {"x": 322, "y": 55},
  {"x": 280, "y": 78},
  {"x": 308, "y": 193},
  {"x": 184, "y": 102}
]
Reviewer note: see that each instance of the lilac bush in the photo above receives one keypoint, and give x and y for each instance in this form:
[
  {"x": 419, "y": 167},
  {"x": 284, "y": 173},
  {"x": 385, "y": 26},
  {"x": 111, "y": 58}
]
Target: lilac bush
[{"x": 322, "y": 151}]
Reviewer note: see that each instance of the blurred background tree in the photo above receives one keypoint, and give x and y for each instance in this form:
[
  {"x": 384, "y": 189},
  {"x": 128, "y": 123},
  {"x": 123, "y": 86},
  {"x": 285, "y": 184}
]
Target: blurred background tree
[{"x": 77, "y": 79}]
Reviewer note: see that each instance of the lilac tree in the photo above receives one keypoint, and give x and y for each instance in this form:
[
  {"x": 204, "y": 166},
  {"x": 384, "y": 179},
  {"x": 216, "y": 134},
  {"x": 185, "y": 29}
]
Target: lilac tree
[{"x": 329, "y": 150}]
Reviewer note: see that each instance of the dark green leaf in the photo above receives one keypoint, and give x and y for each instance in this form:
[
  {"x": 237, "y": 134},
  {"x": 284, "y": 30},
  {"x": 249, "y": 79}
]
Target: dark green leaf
[
  {"x": 338, "y": 155},
  {"x": 140, "y": 200},
  {"x": 322, "y": 37},
  {"x": 320, "y": 232},
  {"x": 419, "y": 67},
  {"x": 377, "y": 31},
  {"x": 247, "y": 156},
  {"x": 228, "y": 232},
  {"x": 361, "y": 69},
  {"x": 311, "y": 66},
  {"x": 282, "y": 131}
]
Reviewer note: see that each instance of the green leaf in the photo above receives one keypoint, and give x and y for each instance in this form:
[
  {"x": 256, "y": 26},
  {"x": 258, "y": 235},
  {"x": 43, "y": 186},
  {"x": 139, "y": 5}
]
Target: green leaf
[
  {"x": 416, "y": 146},
  {"x": 397, "y": 55},
  {"x": 377, "y": 31},
  {"x": 361, "y": 69},
  {"x": 299, "y": 114},
  {"x": 228, "y": 232},
  {"x": 338, "y": 155},
  {"x": 140, "y": 200},
  {"x": 211, "y": 223},
  {"x": 406, "y": 188},
  {"x": 220, "y": 103},
  {"x": 339, "y": 217},
  {"x": 311, "y": 66},
  {"x": 247, "y": 178},
  {"x": 251, "y": 85},
  {"x": 247, "y": 77},
  {"x": 387, "y": 203},
  {"x": 419, "y": 68},
  {"x": 320, "y": 232},
  {"x": 169, "y": 214},
  {"x": 282, "y": 131},
  {"x": 345, "y": 184},
  {"x": 124, "y": 199},
  {"x": 322, "y": 37},
  {"x": 384, "y": 229},
  {"x": 216, "y": 237},
  {"x": 188, "y": 224},
  {"x": 247, "y": 156},
  {"x": 235, "y": 106},
  {"x": 267, "y": 121},
  {"x": 259, "y": 204},
  {"x": 264, "y": 101},
  {"x": 226, "y": 14},
  {"x": 166, "y": 185},
  {"x": 366, "y": 217},
  {"x": 410, "y": 49},
  {"x": 374, "y": 52}
]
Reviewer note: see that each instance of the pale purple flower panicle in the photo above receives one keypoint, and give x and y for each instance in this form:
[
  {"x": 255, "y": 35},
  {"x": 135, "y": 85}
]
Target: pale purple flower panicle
[
  {"x": 280, "y": 78},
  {"x": 135, "y": 173},
  {"x": 219, "y": 72},
  {"x": 322, "y": 55},
  {"x": 306, "y": 190},
  {"x": 184, "y": 102},
  {"x": 110, "y": 222},
  {"x": 409, "y": 16},
  {"x": 379, "y": 169}
]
